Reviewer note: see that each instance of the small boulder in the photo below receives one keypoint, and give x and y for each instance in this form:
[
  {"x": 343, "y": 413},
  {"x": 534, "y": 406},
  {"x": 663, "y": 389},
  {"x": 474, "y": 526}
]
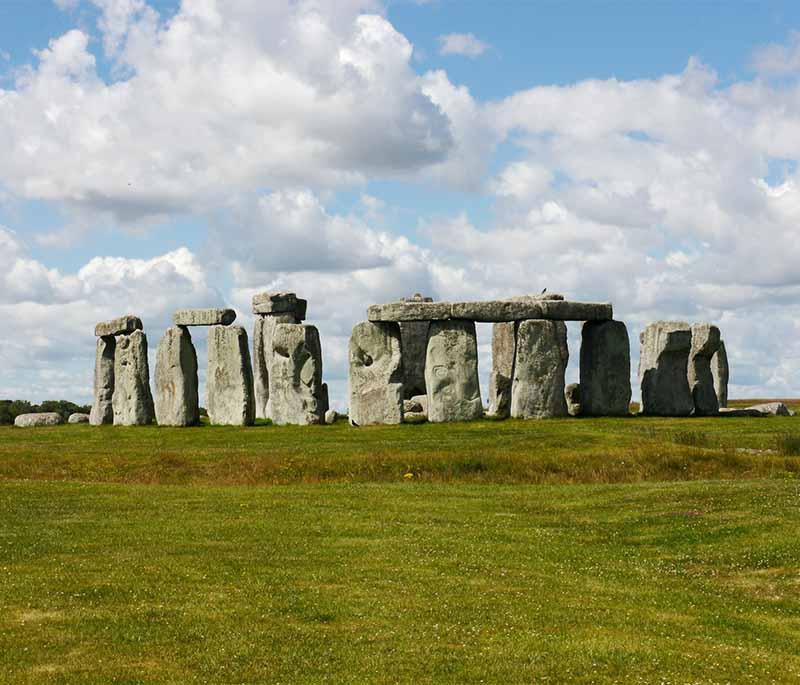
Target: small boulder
[
  {"x": 572, "y": 394},
  {"x": 48, "y": 418},
  {"x": 78, "y": 418},
  {"x": 330, "y": 416}
]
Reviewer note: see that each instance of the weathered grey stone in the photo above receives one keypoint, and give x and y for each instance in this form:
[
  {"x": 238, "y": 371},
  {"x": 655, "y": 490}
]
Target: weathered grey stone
[
  {"x": 738, "y": 412},
  {"x": 415, "y": 417},
  {"x": 772, "y": 409},
  {"x": 720, "y": 372},
  {"x": 572, "y": 394},
  {"x": 527, "y": 307},
  {"x": 102, "y": 406},
  {"x": 540, "y": 363},
  {"x": 409, "y": 311},
  {"x": 663, "y": 369},
  {"x": 132, "y": 400},
  {"x": 705, "y": 343},
  {"x": 412, "y": 406},
  {"x": 295, "y": 383},
  {"x": 263, "y": 332},
  {"x": 504, "y": 348},
  {"x": 330, "y": 416},
  {"x": 375, "y": 374},
  {"x": 122, "y": 325},
  {"x": 229, "y": 382},
  {"x": 324, "y": 399},
  {"x": 537, "y": 298},
  {"x": 451, "y": 372},
  {"x": 414, "y": 339},
  {"x": 176, "y": 400},
  {"x": 204, "y": 317},
  {"x": 605, "y": 369},
  {"x": 280, "y": 303},
  {"x": 48, "y": 418},
  {"x": 78, "y": 418}
]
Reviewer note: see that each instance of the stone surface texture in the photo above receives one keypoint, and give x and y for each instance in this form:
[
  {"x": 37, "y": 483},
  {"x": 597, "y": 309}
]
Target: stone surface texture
[
  {"x": 102, "y": 406},
  {"x": 375, "y": 374},
  {"x": 204, "y": 317},
  {"x": 48, "y": 418},
  {"x": 263, "y": 332},
  {"x": 540, "y": 363},
  {"x": 572, "y": 394},
  {"x": 133, "y": 400},
  {"x": 295, "y": 383},
  {"x": 663, "y": 369},
  {"x": 280, "y": 303},
  {"x": 705, "y": 343},
  {"x": 515, "y": 309},
  {"x": 78, "y": 418},
  {"x": 122, "y": 325},
  {"x": 504, "y": 348},
  {"x": 177, "y": 402},
  {"x": 721, "y": 373},
  {"x": 451, "y": 372},
  {"x": 772, "y": 409},
  {"x": 230, "y": 397},
  {"x": 605, "y": 369}
]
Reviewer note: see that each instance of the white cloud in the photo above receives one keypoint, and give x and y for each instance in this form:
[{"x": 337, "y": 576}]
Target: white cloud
[
  {"x": 778, "y": 59},
  {"x": 464, "y": 44}
]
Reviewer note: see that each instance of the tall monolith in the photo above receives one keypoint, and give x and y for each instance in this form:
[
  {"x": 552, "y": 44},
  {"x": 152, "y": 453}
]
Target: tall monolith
[
  {"x": 504, "y": 348},
  {"x": 229, "y": 381},
  {"x": 663, "y": 369},
  {"x": 132, "y": 400},
  {"x": 103, "y": 406},
  {"x": 375, "y": 374},
  {"x": 537, "y": 391},
  {"x": 176, "y": 400},
  {"x": 295, "y": 382},
  {"x": 705, "y": 343},
  {"x": 721, "y": 373},
  {"x": 605, "y": 369}
]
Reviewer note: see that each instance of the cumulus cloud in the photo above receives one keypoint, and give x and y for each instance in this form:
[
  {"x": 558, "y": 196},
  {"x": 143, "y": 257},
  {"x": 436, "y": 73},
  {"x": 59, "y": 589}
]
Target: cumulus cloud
[{"x": 464, "y": 44}]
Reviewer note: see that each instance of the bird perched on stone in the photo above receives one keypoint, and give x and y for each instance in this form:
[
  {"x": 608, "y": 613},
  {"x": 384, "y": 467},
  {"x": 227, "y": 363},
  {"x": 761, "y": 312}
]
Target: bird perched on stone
[{"x": 544, "y": 290}]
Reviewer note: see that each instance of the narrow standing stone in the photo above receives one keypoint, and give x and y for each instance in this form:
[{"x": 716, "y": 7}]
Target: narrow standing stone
[
  {"x": 102, "y": 406},
  {"x": 663, "y": 364},
  {"x": 605, "y": 369},
  {"x": 177, "y": 401},
  {"x": 705, "y": 343},
  {"x": 375, "y": 374},
  {"x": 451, "y": 372},
  {"x": 229, "y": 381},
  {"x": 295, "y": 382},
  {"x": 263, "y": 333},
  {"x": 132, "y": 401},
  {"x": 504, "y": 348},
  {"x": 541, "y": 360},
  {"x": 414, "y": 337},
  {"x": 720, "y": 371}
]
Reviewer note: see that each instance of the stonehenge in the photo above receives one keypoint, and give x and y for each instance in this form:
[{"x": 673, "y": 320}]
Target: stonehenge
[
  {"x": 605, "y": 369},
  {"x": 540, "y": 362},
  {"x": 230, "y": 399},
  {"x": 295, "y": 379},
  {"x": 176, "y": 400},
  {"x": 719, "y": 370},
  {"x": 376, "y": 374}
]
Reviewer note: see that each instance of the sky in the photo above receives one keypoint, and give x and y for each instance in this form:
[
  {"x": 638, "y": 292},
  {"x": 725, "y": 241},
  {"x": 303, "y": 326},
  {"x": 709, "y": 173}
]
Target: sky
[{"x": 164, "y": 155}]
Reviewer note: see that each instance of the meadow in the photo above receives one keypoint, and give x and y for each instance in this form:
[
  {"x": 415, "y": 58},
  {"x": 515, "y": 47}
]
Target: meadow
[{"x": 576, "y": 550}]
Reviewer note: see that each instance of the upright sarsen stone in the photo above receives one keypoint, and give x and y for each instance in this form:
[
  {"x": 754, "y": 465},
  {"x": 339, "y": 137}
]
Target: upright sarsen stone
[
  {"x": 176, "y": 399},
  {"x": 229, "y": 382},
  {"x": 295, "y": 382},
  {"x": 451, "y": 372},
  {"x": 720, "y": 372},
  {"x": 605, "y": 369},
  {"x": 132, "y": 400},
  {"x": 262, "y": 357},
  {"x": 414, "y": 337},
  {"x": 663, "y": 369},
  {"x": 705, "y": 343},
  {"x": 375, "y": 374},
  {"x": 102, "y": 406},
  {"x": 540, "y": 363},
  {"x": 504, "y": 348}
]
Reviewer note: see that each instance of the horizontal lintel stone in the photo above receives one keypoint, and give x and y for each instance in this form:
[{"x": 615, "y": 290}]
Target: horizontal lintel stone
[
  {"x": 493, "y": 311},
  {"x": 122, "y": 325},
  {"x": 204, "y": 317},
  {"x": 280, "y": 303}
]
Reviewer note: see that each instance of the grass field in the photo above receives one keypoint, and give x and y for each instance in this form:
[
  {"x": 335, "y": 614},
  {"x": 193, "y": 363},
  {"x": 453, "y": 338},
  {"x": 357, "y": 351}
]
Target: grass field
[{"x": 609, "y": 550}]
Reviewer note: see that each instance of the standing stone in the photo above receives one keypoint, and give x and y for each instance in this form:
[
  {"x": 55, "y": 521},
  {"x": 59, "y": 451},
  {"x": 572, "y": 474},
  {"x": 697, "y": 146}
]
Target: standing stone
[
  {"x": 176, "y": 379},
  {"x": 376, "y": 374},
  {"x": 663, "y": 364},
  {"x": 705, "y": 343},
  {"x": 414, "y": 337},
  {"x": 572, "y": 393},
  {"x": 720, "y": 372},
  {"x": 102, "y": 407},
  {"x": 605, "y": 369},
  {"x": 262, "y": 357},
  {"x": 451, "y": 372},
  {"x": 132, "y": 401},
  {"x": 295, "y": 382},
  {"x": 540, "y": 363},
  {"x": 229, "y": 381},
  {"x": 504, "y": 347}
]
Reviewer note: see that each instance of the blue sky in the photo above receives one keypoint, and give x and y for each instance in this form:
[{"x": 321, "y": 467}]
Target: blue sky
[{"x": 644, "y": 153}]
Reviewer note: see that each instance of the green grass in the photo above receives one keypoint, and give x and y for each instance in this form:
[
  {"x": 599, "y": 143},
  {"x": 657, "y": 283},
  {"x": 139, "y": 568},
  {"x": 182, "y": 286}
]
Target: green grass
[{"x": 590, "y": 551}]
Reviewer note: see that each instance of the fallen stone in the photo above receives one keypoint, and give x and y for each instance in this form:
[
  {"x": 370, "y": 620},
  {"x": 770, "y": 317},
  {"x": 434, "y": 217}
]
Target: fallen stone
[
  {"x": 705, "y": 343},
  {"x": 176, "y": 400},
  {"x": 540, "y": 363},
  {"x": 229, "y": 382},
  {"x": 412, "y": 406},
  {"x": 738, "y": 412},
  {"x": 295, "y": 383},
  {"x": 414, "y": 344},
  {"x": 132, "y": 400},
  {"x": 572, "y": 394},
  {"x": 122, "y": 325},
  {"x": 415, "y": 417},
  {"x": 772, "y": 409},
  {"x": 102, "y": 411},
  {"x": 720, "y": 372},
  {"x": 204, "y": 317},
  {"x": 663, "y": 369},
  {"x": 375, "y": 374},
  {"x": 78, "y": 418},
  {"x": 330, "y": 416},
  {"x": 504, "y": 348},
  {"x": 422, "y": 400},
  {"x": 280, "y": 303},
  {"x": 605, "y": 369},
  {"x": 451, "y": 372},
  {"x": 263, "y": 332},
  {"x": 48, "y": 418}
]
